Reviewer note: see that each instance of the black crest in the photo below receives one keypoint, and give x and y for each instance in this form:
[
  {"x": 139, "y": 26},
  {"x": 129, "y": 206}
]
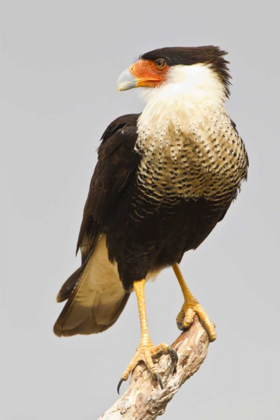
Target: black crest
[{"x": 210, "y": 55}]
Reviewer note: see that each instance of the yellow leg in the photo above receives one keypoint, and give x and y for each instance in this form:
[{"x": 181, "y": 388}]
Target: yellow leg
[
  {"x": 146, "y": 350},
  {"x": 192, "y": 307}
]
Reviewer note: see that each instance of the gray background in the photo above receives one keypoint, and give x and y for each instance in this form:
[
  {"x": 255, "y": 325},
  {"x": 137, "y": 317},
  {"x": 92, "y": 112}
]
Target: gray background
[{"x": 61, "y": 62}]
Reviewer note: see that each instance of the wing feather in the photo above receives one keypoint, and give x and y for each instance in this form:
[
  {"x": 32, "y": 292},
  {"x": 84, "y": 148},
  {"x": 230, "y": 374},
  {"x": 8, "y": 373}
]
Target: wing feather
[
  {"x": 95, "y": 293},
  {"x": 117, "y": 162}
]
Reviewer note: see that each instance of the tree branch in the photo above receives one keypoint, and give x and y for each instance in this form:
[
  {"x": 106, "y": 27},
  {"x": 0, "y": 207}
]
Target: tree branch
[{"x": 143, "y": 399}]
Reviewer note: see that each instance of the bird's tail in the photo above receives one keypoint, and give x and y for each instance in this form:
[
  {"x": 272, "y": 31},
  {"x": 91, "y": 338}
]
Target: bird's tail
[{"x": 95, "y": 296}]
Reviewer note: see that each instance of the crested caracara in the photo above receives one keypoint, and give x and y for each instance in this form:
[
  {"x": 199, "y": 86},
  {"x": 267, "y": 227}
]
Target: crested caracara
[{"x": 163, "y": 180}]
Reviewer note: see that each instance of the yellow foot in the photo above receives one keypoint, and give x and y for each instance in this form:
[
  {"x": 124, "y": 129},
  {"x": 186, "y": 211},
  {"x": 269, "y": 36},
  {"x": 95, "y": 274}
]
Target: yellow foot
[
  {"x": 145, "y": 353},
  {"x": 187, "y": 313}
]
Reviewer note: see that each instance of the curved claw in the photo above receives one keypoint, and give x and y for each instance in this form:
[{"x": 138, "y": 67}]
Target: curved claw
[
  {"x": 119, "y": 385},
  {"x": 157, "y": 377},
  {"x": 174, "y": 355}
]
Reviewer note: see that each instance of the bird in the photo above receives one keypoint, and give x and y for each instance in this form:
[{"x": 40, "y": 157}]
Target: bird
[{"x": 163, "y": 180}]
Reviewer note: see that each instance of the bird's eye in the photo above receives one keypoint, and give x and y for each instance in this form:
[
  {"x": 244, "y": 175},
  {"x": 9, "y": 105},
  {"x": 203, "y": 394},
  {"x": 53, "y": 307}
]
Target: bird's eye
[{"x": 160, "y": 63}]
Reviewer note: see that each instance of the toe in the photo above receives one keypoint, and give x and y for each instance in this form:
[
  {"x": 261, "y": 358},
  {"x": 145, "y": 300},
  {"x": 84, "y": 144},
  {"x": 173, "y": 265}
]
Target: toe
[
  {"x": 206, "y": 321},
  {"x": 180, "y": 319},
  {"x": 165, "y": 349},
  {"x": 186, "y": 316},
  {"x": 188, "y": 319}
]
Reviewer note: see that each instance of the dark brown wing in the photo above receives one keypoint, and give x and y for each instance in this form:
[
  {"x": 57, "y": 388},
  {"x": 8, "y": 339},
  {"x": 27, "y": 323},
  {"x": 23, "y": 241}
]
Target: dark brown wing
[
  {"x": 94, "y": 293},
  {"x": 117, "y": 162}
]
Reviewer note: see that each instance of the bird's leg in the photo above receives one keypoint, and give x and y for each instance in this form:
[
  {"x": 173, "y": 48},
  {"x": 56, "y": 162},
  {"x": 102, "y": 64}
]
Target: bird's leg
[
  {"x": 191, "y": 307},
  {"x": 146, "y": 350}
]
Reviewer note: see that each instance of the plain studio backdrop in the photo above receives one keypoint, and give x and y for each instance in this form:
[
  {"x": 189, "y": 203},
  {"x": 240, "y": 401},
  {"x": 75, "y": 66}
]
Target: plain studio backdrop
[{"x": 60, "y": 64}]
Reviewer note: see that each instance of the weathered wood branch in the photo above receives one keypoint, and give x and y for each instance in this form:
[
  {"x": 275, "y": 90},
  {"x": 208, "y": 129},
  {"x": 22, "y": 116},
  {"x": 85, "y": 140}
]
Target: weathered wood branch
[{"x": 143, "y": 399}]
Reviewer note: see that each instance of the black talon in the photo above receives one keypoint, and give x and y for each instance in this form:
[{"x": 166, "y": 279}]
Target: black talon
[
  {"x": 119, "y": 385},
  {"x": 157, "y": 377},
  {"x": 174, "y": 358},
  {"x": 174, "y": 355}
]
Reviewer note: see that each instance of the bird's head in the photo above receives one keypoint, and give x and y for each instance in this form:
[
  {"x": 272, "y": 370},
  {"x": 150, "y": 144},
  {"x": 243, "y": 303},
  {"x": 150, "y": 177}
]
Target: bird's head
[{"x": 192, "y": 71}]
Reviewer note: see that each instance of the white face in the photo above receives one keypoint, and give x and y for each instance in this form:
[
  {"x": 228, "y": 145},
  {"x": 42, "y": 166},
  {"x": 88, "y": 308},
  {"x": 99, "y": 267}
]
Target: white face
[{"x": 196, "y": 82}]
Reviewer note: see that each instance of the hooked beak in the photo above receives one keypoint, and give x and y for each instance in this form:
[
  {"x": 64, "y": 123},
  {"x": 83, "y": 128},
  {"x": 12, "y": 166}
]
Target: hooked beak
[{"x": 126, "y": 81}]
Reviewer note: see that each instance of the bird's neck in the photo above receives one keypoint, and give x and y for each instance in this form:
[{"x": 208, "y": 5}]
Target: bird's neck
[
  {"x": 190, "y": 95},
  {"x": 168, "y": 115}
]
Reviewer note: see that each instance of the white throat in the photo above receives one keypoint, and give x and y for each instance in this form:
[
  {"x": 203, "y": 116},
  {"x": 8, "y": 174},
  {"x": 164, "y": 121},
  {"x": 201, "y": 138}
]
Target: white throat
[
  {"x": 190, "y": 94},
  {"x": 193, "y": 83}
]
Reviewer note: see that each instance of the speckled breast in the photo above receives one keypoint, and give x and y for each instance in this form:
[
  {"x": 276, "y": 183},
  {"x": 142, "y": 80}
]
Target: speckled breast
[{"x": 200, "y": 157}]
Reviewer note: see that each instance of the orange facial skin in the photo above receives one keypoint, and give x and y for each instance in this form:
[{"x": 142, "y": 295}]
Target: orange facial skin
[{"x": 147, "y": 74}]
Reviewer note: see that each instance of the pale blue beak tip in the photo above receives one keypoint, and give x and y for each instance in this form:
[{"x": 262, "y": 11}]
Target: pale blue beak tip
[{"x": 126, "y": 81}]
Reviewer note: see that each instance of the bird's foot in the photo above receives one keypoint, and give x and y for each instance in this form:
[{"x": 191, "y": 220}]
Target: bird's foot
[
  {"x": 146, "y": 353},
  {"x": 186, "y": 316}
]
